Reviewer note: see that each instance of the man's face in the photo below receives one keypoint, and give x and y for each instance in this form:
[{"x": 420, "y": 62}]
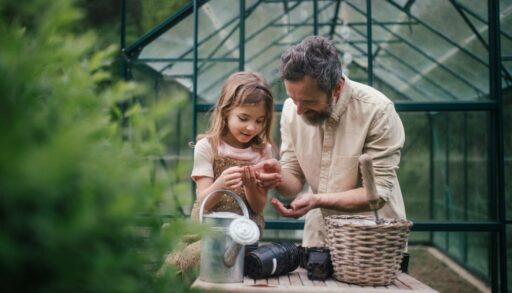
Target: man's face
[{"x": 313, "y": 104}]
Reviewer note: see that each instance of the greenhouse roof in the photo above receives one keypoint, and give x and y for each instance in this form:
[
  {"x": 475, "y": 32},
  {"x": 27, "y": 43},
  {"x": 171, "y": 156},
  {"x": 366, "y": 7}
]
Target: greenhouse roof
[{"x": 423, "y": 50}]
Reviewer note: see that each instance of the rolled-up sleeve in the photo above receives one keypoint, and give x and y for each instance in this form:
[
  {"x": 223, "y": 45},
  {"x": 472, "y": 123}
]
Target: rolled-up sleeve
[{"x": 384, "y": 143}]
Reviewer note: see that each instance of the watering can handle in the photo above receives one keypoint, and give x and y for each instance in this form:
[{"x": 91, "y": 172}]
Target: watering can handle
[{"x": 228, "y": 192}]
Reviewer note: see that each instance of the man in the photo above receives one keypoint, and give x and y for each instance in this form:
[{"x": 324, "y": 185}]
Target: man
[{"x": 327, "y": 122}]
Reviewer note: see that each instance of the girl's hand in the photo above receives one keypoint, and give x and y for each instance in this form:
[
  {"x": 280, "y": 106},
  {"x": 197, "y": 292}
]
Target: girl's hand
[
  {"x": 249, "y": 177},
  {"x": 231, "y": 178},
  {"x": 256, "y": 195}
]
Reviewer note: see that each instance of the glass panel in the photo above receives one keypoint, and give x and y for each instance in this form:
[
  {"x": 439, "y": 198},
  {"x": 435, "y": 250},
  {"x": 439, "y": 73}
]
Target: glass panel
[
  {"x": 143, "y": 16},
  {"x": 506, "y": 51},
  {"x": 478, "y": 252},
  {"x": 506, "y": 40},
  {"x": 174, "y": 43},
  {"x": 211, "y": 77},
  {"x": 218, "y": 29},
  {"x": 218, "y": 49},
  {"x": 180, "y": 72},
  {"x": 460, "y": 189},
  {"x": 327, "y": 18},
  {"x": 173, "y": 49},
  {"x": 423, "y": 58},
  {"x": 350, "y": 39},
  {"x": 461, "y": 175},
  {"x": 414, "y": 172},
  {"x": 279, "y": 92},
  {"x": 270, "y": 28}
]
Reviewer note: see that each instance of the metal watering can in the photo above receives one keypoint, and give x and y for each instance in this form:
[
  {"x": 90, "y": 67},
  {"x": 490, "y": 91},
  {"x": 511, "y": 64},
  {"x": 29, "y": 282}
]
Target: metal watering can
[{"x": 222, "y": 256}]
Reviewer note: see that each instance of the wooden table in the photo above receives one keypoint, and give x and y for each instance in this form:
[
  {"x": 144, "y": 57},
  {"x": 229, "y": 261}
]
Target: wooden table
[{"x": 298, "y": 281}]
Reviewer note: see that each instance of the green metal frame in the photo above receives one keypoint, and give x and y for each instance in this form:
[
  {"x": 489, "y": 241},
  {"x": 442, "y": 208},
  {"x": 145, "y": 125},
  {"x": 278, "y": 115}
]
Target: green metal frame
[
  {"x": 494, "y": 105},
  {"x": 497, "y": 173}
]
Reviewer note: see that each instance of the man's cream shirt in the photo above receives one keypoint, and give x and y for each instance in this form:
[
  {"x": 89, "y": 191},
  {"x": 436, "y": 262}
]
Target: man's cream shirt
[{"x": 326, "y": 156}]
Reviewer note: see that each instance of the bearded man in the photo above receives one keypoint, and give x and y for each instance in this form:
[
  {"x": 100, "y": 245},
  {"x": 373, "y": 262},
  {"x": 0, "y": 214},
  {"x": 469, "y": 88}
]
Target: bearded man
[{"x": 327, "y": 122}]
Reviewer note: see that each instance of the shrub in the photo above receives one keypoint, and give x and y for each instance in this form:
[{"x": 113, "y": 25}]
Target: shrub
[{"x": 78, "y": 211}]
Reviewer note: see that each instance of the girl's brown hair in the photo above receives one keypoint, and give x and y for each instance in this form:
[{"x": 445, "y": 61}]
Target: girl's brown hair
[{"x": 241, "y": 88}]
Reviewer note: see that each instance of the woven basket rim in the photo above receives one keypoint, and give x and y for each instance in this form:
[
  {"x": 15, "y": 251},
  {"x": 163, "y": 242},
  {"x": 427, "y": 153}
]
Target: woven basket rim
[{"x": 346, "y": 220}]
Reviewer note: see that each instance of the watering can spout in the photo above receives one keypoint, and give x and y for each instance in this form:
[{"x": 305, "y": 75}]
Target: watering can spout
[
  {"x": 242, "y": 231},
  {"x": 231, "y": 253}
]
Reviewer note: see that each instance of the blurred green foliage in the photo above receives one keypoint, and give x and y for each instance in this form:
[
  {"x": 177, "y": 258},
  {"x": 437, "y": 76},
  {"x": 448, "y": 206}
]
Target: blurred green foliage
[
  {"x": 78, "y": 209},
  {"x": 141, "y": 16}
]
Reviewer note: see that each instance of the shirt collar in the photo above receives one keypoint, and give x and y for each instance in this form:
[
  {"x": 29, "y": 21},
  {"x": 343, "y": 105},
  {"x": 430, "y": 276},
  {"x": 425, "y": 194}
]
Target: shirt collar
[{"x": 343, "y": 100}]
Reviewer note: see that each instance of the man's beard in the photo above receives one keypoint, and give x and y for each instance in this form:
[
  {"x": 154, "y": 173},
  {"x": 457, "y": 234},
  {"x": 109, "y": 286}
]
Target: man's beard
[{"x": 319, "y": 117}]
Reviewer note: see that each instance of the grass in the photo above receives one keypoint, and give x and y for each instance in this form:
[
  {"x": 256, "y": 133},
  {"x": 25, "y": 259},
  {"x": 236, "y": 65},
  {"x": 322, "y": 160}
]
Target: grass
[{"x": 433, "y": 272}]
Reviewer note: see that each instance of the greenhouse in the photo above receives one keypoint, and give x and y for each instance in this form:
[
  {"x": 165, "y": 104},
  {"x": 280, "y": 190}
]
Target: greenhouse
[
  {"x": 104, "y": 104},
  {"x": 445, "y": 64}
]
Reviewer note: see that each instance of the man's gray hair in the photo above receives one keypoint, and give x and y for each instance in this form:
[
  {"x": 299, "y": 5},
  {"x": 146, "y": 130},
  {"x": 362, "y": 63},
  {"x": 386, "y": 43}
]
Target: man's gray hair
[{"x": 316, "y": 57}]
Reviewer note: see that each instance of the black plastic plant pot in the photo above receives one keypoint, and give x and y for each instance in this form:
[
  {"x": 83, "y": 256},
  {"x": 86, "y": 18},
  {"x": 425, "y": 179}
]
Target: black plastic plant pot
[{"x": 272, "y": 260}]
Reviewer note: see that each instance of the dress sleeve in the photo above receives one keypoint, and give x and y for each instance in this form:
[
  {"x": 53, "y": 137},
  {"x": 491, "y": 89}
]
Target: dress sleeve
[
  {"x": 203, "y": 160},
  {"x": 384, "y": 143}
]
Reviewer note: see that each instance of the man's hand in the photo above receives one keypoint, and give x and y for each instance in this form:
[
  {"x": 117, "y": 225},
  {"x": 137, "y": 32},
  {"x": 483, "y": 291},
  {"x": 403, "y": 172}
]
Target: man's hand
[
  {"x": 268, "y": 173},
  {"x": 299, "y": 207}
]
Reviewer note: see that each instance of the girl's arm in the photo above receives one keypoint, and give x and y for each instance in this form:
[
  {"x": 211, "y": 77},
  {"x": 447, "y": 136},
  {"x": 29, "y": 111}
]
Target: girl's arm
[
  {"x": 231, "y": 178},
  {"x": 256, "y": 195}
]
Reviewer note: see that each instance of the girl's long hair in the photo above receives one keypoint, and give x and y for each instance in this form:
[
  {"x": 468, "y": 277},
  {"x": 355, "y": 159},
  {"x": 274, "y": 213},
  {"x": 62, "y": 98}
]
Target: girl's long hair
[{"x": 241, "y": 88}]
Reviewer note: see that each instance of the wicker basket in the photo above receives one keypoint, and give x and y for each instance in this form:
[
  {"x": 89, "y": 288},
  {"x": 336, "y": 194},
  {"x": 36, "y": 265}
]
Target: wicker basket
[{"x": 365, "y": 253}]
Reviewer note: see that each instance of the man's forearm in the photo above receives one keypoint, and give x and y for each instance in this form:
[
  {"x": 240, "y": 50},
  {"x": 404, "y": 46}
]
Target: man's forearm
[
  {"x": 290, "y": 185},
  {"x": 353, "y": 200}
]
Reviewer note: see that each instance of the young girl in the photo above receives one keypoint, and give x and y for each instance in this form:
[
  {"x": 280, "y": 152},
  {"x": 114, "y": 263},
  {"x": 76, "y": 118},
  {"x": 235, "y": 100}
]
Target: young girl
[{"x": 237, "y": 138}]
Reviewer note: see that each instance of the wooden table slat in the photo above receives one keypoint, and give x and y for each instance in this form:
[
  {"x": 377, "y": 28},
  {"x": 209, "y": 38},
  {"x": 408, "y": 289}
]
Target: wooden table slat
[
  {"x": 298, "y": 282},
  {"x": 330, "y": 283},
  {"x": 260, "y": 281},
  {"x": 284, "y": 280},
  {"x": 341, "y": 284},
  {"x": 304, "y": 278},
  {"x": 273, "y": 281},
  {"x": 400, "y": 284},
  {"x": 318, "y": 283},
  {"x": 295, "y": 279},
  {"x": 249, "y": 281},
  {"x": 412, "y": 282}
]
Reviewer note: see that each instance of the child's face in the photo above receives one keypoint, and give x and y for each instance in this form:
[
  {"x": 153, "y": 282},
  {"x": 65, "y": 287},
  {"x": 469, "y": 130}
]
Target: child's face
[{"x": 244, "y": 123}]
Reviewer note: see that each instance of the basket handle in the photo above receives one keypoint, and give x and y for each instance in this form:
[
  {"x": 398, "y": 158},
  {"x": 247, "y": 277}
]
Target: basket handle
[{"x": 369, "y": 180}]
